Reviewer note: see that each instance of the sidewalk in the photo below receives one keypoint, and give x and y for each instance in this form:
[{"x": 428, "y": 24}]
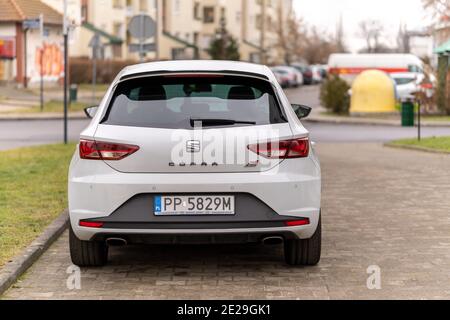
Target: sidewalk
[
  {"x": 41, "y": 116},
  {"x": 318, "y": 116}
]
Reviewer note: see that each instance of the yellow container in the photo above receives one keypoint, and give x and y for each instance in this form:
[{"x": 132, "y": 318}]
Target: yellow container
[{"x": 373, "y": 91}]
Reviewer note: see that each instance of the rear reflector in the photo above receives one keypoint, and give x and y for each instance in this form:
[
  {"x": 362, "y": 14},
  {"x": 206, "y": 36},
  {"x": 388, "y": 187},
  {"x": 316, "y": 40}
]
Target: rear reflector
[
  {"x": 297, "y": 223},
  {"x": 285, "y": 149},
  {"x": 89, "y": 224},
  {"x": 96, "y": 150}
]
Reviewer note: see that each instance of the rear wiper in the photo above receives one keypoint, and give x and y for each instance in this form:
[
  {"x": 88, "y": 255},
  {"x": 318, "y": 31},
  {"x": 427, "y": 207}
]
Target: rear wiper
[{"x": 219, "y": 122}]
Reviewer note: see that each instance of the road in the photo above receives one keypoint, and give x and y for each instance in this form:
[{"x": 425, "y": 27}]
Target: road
[
  {"x": 14, "y": 134},
  {"x": 21, "y": 133},
  {"x": 383, "y": 209}
]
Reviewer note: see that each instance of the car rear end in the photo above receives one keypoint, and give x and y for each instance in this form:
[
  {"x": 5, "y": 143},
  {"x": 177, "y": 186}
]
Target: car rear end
[{"x": 193, "y": 157}]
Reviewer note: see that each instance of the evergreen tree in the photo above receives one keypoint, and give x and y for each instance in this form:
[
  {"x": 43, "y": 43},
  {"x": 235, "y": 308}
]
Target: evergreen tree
[{"x": 224, "y": 46}]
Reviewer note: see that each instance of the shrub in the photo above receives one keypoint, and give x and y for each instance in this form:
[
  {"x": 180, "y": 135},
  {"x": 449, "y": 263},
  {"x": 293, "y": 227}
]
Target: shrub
[
  {"x": 80, "y": 70},
  {"x": 334, "y": 95}
]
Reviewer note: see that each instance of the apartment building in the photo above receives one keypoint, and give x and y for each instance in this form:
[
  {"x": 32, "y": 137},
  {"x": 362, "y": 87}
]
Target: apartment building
[
  {"x": 30, "y": 53},
  {"x": 185, "y": 27}
]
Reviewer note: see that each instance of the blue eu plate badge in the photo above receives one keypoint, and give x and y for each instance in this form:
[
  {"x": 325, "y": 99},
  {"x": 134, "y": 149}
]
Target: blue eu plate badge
[{"x": 157, "y": 205}]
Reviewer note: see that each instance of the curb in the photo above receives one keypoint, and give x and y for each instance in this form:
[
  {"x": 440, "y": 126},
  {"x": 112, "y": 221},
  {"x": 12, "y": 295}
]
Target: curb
[
  {"x": 414, "y": 148},
  {"x": 20, "y": 264},
  {"x": 45, "y": 118},
  {"x": 392, "y": 123}
]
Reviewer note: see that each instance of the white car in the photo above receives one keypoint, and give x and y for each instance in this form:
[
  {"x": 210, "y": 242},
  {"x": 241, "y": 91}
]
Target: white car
[
  {"x": 316, "y": 74},
  {"x": 407, "y": 83},
  {"x": 195, "y": 152}
]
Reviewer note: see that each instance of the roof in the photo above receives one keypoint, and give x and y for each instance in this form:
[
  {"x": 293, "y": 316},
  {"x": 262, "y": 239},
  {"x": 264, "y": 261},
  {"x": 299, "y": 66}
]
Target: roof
[
  {"x": 112, "y": 39},
  {"x": 444, "y": 48},
  {"x": 20, "y": 10},
  {"x": 177, "y": 39},
  {"x": 196, "y": 66},
  {"x": 405, "y": 75}
]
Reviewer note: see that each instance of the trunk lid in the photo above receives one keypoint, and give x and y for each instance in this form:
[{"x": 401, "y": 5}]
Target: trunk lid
[{"x": 219, "y": 150}]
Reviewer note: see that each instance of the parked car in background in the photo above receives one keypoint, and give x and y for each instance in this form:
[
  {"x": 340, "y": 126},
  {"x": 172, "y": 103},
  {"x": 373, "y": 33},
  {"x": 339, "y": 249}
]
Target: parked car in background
[
  {"x": 311, "y": 74},
  {"x": 323, "y": 70},
  {"x": 282, "y": 78},
  {"x": 306, "y": 72},
  {"x": 407, "y": 83},
  {"x": 316, "y": 75},
  {"x": 295, "y": 77}
]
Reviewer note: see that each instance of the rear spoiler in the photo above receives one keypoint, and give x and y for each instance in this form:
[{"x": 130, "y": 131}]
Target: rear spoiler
[{"x": 224, "y": 72}]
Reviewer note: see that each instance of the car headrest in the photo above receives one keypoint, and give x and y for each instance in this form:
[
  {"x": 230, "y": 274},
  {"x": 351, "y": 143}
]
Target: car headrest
[
  {"x": 152, "y": 92},
  {"x": 241, "y": 93}
]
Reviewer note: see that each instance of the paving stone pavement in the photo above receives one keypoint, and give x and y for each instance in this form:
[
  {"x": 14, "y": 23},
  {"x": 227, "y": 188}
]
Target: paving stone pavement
[{"x": 381, "y": 206}]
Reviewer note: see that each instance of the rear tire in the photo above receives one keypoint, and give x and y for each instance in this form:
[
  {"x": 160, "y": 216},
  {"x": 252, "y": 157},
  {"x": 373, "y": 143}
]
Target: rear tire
[
  {"x": 304, "y": 252},
  {"x": 87, "y": 253}
]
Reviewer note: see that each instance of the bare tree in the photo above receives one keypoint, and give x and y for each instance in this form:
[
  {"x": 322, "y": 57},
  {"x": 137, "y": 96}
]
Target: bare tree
[
  {"x": 440, "y": 8},
  {"x": 298, "y": 41},
  {"x": 340, "y": 36},
  {"x": 372, "y": 31},
  {"x": 319, "y": 46},
  {"x": 291, "y": 36}
]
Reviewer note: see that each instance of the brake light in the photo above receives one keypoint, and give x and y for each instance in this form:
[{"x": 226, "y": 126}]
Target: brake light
[
  {"x": 194, "y": 75},
  {"x": 285, "y": 149},
  {"x": 90, "y": 224},
  {"x": 96, "y": 150},
  {"x": 297, "y": 223}
]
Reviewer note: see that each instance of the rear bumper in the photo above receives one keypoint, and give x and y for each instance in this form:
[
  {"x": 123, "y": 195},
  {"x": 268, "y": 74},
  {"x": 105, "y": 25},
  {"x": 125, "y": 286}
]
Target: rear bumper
[
  {"x": 196, "y": 236},
  {"x": 99, "y": 193}
]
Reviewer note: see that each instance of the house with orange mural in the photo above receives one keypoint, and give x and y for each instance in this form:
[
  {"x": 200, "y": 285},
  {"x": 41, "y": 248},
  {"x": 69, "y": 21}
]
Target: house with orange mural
[{"x": 29, "y": 53}]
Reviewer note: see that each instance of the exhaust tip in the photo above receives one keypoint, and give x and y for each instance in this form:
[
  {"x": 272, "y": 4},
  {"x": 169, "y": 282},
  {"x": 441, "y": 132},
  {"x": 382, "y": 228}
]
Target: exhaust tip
[
  {"x": 116, "y": 242},
  {"x": 275, "y": 240}
]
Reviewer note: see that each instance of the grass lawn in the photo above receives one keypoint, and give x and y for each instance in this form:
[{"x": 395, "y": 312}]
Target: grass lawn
[
  {"x": 435, "y": 143},
  {"x": 98, "y": 87},
  {"x": 33, "y": 188},
  {"x": 437, "y": 118}
]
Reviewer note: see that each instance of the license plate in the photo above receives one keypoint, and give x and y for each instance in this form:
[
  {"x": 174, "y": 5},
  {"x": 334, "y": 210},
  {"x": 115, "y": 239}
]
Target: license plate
[{"x": 193, "y": 205}]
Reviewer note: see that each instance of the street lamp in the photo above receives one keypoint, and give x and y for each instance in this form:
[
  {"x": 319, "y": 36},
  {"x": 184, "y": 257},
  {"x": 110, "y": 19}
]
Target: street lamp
[{"x": 66, "y": 58}]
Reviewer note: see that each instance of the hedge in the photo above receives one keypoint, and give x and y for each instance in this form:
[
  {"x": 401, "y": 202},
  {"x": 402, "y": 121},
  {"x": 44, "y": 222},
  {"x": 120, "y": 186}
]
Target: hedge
[{"x": 81, "y": 70}]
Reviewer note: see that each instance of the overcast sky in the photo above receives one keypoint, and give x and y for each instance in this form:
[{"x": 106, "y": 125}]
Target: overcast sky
[{"x": 325, "y": 14}]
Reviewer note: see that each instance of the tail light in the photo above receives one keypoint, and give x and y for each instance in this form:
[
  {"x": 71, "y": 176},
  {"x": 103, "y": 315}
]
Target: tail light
[
  {"x": 95, "y": 150},
  {"x": 285, "y": 149}
]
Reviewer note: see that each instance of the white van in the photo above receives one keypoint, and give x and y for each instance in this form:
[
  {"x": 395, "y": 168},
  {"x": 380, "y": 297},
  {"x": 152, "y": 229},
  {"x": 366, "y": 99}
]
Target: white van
[{"x": 348, "y": 66}]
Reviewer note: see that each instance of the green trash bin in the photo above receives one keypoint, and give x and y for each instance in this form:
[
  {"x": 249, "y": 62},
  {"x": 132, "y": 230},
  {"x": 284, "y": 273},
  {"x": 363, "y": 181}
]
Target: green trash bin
[
  {"x": 73, "y": 93},
  {"x": 407, "y": 114}
]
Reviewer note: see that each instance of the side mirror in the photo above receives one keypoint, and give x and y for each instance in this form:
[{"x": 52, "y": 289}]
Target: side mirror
[
  {"x": 91, "y": 111},
  {"x": 301, "y": 111}
]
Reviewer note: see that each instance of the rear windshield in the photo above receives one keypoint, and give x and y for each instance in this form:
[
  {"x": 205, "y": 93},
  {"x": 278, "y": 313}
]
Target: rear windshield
[
  {"x": 178, "y": 102},
  {"x": 401, "y": 81}
]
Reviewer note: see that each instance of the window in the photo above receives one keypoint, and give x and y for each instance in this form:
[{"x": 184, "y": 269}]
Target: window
[
  {"x": 238, "y": 17},
  {"x": 258, "y": 22},
  {"x": 143, "y": 5},
  {"x": 117, "y": 29},
  {"x": 175, "y": 102},
  {"x": 208, "y": 14},
  {"x": 197, "y": 8},
  {"x": 402, "y": 81},
  {"x": 117, "y": 4},
  {"x": 176, "y": 7}
]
